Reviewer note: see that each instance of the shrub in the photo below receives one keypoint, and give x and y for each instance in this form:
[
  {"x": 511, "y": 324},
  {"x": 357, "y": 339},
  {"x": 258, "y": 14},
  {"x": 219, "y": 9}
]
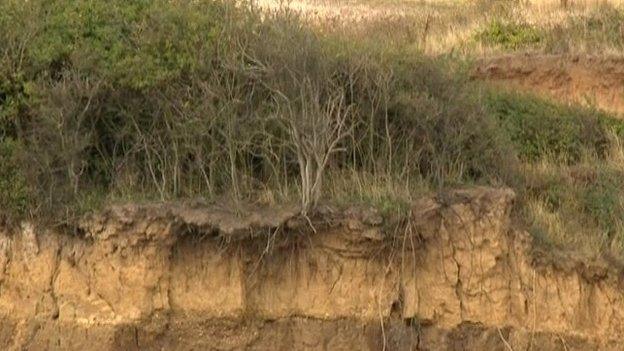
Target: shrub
[
  {"x": 509, "y": 35},
  {"x": 167, "y": 99}
]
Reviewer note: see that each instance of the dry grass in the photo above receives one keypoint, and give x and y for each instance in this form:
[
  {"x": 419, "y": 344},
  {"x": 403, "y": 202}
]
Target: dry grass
[
  {"x": 579, "y": 206},
  {"x": 442, "y": 27}
]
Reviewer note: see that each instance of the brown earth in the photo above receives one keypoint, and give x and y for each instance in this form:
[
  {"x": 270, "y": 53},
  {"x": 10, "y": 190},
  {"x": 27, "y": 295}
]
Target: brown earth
[
  {"x": 455, "y": 275},
  {"x": 589, "y": 80}
]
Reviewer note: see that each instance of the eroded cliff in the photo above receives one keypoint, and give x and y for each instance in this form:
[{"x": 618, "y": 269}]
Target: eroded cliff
[{"x": 454, "y": 275}]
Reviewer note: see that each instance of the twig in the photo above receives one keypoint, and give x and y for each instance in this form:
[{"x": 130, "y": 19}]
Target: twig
[{"x": 500, "y": 334}]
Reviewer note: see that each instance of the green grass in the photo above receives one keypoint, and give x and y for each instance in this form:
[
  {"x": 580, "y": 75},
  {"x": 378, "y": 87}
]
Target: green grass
[
  {"x": 576, "y": 207},
  {"x": 540, "y": 129},
  {"x": 570, "y": 181}
]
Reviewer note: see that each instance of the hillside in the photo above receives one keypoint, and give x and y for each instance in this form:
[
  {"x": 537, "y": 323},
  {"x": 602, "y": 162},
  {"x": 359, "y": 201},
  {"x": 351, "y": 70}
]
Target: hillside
[{"x": 282, "y": 143}]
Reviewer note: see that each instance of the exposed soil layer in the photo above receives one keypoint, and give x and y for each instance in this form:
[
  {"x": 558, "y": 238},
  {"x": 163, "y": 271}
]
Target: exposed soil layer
[
  {"x": 591, "y": 80},
  {"x": 455, "y": 275}
]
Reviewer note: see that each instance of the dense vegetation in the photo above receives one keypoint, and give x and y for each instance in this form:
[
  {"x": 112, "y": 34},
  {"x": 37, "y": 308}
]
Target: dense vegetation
[
  {"x": 160, "y": 100},
  {"x": 163, "y": 99}
]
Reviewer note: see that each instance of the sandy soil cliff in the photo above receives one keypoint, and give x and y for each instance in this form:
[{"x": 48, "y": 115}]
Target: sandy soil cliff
[{"x": 455, "y": 275}]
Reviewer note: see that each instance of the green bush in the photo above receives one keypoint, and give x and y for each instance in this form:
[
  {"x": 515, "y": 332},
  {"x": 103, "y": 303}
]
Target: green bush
[
  {"x": 138, "y": 44},
  {"x": 509, "y": 35}
]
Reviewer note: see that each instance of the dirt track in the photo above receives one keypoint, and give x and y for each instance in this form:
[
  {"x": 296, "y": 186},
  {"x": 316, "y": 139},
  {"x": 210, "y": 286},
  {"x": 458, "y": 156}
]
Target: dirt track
[{"x": 597, "y": 81}]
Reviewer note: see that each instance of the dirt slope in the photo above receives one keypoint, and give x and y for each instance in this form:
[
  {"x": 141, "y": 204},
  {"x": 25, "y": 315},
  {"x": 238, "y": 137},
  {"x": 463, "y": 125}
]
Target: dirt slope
[
  {"x": 456, "y": 276},
  {"x": 598, "y": 81}
]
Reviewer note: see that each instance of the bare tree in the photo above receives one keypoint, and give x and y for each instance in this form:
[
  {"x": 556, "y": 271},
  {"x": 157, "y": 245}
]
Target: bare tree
[{"x": 316, "y": 125}]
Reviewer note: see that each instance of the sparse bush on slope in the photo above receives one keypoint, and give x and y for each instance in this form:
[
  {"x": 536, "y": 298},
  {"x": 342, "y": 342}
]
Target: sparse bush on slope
[{"x": 541, "y": 129}]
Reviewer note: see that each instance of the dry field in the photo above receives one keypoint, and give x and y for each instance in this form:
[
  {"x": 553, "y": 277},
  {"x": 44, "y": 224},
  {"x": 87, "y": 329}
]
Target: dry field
[
  {"x": 566, "y": 49},
  {"x": 443, "y": 27}
]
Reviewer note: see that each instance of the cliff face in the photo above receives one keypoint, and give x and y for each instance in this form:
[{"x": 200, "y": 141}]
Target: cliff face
[{"x": 455, "y": 276}]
